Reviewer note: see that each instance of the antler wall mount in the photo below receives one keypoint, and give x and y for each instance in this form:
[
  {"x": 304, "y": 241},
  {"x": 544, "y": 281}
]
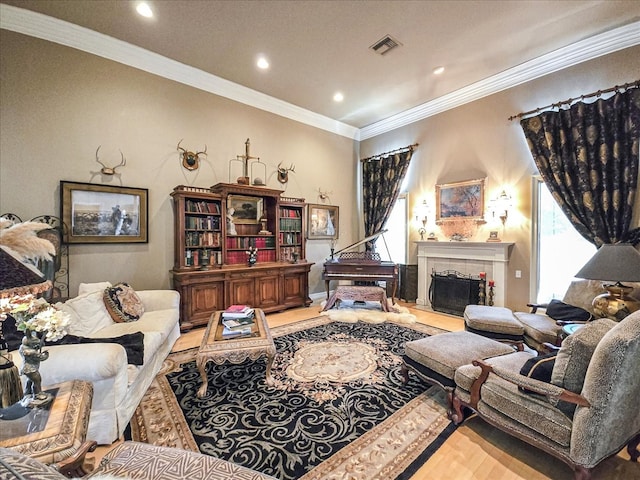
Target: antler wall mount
[
  {"x": 283, "y": 172},
  {"x": 110, "y": 170},
  {"x": 190, "y": 160}
]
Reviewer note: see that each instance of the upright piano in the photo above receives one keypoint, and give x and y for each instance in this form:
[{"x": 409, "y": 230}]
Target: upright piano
[{"x": 360, "y": 266}]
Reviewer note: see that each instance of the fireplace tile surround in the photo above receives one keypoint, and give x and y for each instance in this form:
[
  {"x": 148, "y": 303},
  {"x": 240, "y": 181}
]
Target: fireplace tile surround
[{"x": 469, "y": 258}]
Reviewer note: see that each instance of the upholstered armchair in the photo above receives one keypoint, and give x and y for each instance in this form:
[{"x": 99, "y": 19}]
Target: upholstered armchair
[
  {"x": 588, "y": 411},
  {"x": 539, "y": 328}
]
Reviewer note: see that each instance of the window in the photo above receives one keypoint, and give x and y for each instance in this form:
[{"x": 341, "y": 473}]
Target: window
[
  {"x": 559, "y": 250},
  {"x": 396, "y": 235}
]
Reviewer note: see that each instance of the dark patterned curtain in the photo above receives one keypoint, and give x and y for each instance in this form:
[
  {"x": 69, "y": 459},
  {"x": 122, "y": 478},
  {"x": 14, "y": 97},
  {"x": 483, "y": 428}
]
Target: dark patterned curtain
[
  {"x": 588, "y": 157},
  {"x": 381, "y": 181}
]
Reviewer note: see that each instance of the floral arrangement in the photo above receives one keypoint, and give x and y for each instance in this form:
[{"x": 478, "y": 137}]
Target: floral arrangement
[
  {"x": 252, "y": 255},
  {"x": 36, "y": 314}
]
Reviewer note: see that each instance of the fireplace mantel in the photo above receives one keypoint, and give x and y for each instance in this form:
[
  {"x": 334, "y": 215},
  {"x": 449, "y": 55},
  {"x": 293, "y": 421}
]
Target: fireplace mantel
[{"x": 469, "y": 258}]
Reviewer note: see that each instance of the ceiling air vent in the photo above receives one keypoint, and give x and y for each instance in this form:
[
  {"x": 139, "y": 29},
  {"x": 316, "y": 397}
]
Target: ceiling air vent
[{"x": 385, "y": 45}]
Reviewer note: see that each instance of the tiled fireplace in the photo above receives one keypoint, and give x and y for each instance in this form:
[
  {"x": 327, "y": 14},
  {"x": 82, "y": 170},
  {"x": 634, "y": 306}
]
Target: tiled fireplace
[{"x": 469, "y": 258}]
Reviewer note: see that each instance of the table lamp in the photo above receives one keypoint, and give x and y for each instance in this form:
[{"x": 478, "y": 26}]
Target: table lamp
[{"x": 619, "y": 262}]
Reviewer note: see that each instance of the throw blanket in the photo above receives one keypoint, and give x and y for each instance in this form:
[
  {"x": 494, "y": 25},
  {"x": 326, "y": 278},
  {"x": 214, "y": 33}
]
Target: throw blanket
[{"x": 133, "y": 344}]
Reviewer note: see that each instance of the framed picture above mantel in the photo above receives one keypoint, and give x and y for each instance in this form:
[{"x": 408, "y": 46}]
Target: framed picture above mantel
[
  {"x": 460, "y": 201},
  {"x": 103, "y": 213}
]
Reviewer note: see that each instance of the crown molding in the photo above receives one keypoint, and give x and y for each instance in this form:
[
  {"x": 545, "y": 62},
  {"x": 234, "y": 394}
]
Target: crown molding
[
  {"x": 64, "y": 33},
  {"x": 588, "y": 49}
]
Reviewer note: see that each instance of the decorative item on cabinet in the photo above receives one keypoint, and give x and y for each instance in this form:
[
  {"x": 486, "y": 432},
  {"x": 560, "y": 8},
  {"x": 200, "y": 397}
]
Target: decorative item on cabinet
[{"x": 243, "y": 160}]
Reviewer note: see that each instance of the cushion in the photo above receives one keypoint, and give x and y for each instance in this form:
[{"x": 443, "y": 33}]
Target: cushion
[
  {"x": 539, "y": 368},
  {"x": 575, "y": 355},
  {"x": 88, "y": 314},
  {"x": 123, "y": 303},
  {"x": 17, "y": 465},
  {"x": 92, "y": 287},
  {"x": 564, "y": 312}
]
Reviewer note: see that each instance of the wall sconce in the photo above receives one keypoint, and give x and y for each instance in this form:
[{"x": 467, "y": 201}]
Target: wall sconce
[
  {"x": 499, "y": 206},
  {"x": 421, "y": 212}
]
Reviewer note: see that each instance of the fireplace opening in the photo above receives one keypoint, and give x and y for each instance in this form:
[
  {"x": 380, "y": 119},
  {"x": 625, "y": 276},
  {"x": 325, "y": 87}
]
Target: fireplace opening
[{"x": 451, "y": 291}]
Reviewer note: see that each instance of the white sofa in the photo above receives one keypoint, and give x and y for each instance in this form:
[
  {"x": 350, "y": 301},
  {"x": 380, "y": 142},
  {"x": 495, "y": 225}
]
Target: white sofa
[{"x": 118, "y": 386}]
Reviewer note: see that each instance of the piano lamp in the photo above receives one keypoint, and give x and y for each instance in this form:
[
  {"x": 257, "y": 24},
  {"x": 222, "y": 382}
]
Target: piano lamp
[{"x": 618, "y": 262}]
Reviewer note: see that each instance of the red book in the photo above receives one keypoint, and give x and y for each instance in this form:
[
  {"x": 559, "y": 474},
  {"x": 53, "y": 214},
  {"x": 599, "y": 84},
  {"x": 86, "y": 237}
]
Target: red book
[{"x": 238, "y": 309}]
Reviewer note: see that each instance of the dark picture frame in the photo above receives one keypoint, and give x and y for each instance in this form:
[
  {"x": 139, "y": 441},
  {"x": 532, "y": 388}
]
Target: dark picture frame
[
  {"x": 323, "y": 221},
  {"x": 247, "y": 210},
  {"x": 104, "y": 213},
  {"x": 460, "y": 200}
]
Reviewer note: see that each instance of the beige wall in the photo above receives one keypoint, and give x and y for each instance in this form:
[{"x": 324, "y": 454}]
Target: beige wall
[
  {"x": 476, "y": 140},
  {"x": 59, "y": 104}
]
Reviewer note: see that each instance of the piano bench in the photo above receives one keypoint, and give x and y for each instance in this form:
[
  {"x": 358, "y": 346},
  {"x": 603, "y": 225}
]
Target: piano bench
[{"x": 357, "y": 293}]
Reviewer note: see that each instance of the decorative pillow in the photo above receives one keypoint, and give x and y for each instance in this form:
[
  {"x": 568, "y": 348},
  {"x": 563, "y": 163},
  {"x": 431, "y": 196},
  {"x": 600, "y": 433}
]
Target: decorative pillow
[
  {"x": 123, "y": 303},
  {"x": 538, "y": 368},
  {"x": 567, "y": 313},
  {"x": 92, "y": 287},
  {"x": 88, "y": 314},
  {"x": 574, "y": 356}
]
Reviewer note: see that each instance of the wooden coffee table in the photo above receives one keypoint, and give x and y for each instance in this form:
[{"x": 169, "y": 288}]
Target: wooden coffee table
[
  {"x": 54, "y": 433},
  {"x": 218, "y": 350}
]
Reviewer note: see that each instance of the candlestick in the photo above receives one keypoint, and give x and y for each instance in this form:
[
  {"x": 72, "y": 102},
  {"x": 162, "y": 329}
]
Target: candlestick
[{"x": 492, "y": 283}]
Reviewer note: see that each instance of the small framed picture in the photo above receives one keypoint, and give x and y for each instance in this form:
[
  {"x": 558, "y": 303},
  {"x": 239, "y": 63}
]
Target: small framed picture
[
  {"x": 244, "y": 210},
  {"x": 322, "y": 221},
  {"x": 493, "y": 236}
]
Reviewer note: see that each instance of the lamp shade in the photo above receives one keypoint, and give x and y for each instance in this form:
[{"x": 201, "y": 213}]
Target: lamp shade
[{"x": 619, "y": 262}]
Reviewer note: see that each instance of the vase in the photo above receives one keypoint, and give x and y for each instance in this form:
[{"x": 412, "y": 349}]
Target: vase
[
  {"x": 32, "y": 354},
  {"x": 251, "y": 261}
]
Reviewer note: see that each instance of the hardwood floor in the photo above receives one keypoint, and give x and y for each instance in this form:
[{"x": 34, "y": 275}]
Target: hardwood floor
[{"x": 476, "y": 450}]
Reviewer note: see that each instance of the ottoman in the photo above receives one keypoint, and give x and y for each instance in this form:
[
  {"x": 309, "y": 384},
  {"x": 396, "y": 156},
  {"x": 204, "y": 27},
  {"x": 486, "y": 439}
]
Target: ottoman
[
  {"x": 498, "y": 323},
  {"x": 435, "y": 359}
]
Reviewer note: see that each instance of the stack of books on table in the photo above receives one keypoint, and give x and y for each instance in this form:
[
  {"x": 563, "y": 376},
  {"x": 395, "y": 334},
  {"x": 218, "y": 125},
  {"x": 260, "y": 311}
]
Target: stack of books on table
[{"x": 237, "y": 321}]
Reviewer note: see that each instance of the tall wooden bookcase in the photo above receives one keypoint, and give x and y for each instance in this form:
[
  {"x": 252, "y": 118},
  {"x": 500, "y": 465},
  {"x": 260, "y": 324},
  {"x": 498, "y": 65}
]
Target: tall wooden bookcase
[{"x": 211, "y": 270}]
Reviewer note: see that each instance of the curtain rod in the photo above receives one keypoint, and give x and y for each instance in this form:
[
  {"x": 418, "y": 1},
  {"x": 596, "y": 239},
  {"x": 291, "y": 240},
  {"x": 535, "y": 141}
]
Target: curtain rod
[
  {"x": 398, "y": 150},
  {"x": 569, "y": 101}
]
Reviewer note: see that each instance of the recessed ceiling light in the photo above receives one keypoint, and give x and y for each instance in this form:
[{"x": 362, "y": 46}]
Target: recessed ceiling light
[
  {"x": 263, "y": 63},
  {"x": 338, "y": 97},
  {"x": 144, "y": 9},
  {"x": 438, "y": 70}
]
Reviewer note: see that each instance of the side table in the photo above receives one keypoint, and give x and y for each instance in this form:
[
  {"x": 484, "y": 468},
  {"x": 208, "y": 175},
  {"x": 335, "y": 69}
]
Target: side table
[{"x": 54, "y": 433}]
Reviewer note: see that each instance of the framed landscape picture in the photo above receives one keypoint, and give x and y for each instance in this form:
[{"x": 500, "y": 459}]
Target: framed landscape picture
[
  {"x": 322, "y": 221},
  {"x": 103, "y": 213},
  {"x": 460, "y": 200},
  {"x": 244, "y": 210}
]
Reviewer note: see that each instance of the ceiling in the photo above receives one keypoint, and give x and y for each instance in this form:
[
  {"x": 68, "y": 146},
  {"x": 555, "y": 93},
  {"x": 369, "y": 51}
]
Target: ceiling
[{"x": 317, "y": 48}]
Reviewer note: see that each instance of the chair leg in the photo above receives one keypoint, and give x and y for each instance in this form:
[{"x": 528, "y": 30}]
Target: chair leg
[
  {"x": 404, "y": 371},
  {"x": 632, "y": 448},
  {"x": 456, "y": 414},
  {"x": 581, "y": 473}
]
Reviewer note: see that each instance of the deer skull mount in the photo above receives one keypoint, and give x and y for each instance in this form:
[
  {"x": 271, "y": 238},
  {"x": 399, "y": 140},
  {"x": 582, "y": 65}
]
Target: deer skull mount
[
  {"x": 283, "y": 172},
  {"x": 110, "y": 170},
  {"x": 191, "y": 160}
]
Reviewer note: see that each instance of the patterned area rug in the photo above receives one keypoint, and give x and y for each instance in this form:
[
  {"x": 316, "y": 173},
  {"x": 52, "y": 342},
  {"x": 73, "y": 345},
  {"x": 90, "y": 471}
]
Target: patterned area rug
[{"x": 338, "y": 408}]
